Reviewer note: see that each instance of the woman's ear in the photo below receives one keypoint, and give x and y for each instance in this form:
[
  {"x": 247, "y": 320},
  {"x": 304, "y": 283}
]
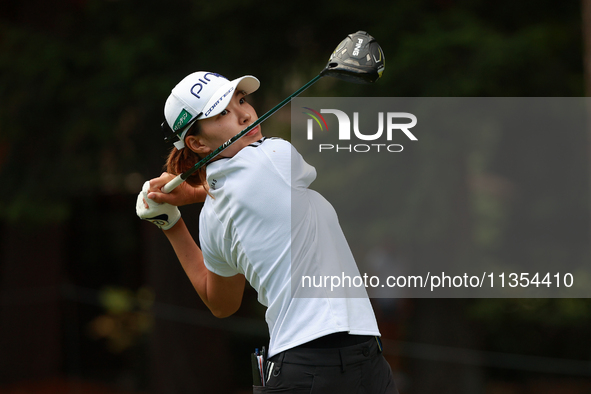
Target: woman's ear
[{"x": 196, "y": 144}]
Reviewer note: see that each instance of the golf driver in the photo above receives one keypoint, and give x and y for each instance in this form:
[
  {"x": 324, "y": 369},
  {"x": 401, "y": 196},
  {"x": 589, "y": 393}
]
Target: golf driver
[{"x": 358, "y": 58}]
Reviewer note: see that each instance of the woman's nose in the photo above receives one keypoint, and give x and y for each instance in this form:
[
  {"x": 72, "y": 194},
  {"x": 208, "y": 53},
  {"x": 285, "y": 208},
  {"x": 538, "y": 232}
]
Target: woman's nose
[{"x": 245, "y": 117}]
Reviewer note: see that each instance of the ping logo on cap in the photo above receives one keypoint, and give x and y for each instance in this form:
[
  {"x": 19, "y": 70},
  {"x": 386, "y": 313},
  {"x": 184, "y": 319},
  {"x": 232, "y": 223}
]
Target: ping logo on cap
[
  {"x": 203, "y": 82},
  {"x": 182, "y": 120}
]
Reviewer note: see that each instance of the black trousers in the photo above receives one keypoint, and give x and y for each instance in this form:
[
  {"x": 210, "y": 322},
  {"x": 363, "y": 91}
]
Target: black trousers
[{"x": 356, "y": 369}]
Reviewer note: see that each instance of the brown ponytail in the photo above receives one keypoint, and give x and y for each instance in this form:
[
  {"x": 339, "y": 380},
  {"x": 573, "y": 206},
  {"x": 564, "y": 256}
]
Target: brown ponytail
[{"x": 184, "y": 159}]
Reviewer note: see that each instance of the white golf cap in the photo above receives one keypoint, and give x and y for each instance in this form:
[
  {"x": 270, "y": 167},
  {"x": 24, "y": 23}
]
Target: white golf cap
[{"x": 201, "y": 95}]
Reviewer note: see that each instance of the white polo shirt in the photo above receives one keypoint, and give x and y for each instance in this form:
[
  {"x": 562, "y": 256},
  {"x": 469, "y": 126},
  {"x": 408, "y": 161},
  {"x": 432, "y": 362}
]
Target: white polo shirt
[{"x": 247, "y": 228}]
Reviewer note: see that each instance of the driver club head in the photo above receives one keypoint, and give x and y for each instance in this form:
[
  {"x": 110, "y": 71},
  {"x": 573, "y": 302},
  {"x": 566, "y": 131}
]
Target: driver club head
[{"x": 358, "y": 58}]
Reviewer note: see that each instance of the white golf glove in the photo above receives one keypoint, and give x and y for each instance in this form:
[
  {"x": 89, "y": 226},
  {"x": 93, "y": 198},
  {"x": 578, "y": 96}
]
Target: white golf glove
[{"x": 162, "y": 215}]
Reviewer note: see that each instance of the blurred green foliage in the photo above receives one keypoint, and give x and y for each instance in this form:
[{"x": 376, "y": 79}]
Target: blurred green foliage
[
  {"x": 126, "y": 318},
  {"x": 83, "y": 86}
]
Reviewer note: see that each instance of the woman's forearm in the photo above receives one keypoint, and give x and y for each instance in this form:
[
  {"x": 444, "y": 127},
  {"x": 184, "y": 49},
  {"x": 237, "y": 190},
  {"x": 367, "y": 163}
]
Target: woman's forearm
[
  {"x": 190, "y": 256},
  {"x": 222, "y": 295}
]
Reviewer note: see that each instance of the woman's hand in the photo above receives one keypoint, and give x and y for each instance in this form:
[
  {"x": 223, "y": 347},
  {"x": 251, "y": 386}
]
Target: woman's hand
[
  {"x": 183, "y": 194},
  {"x": 165, "y": 216}
]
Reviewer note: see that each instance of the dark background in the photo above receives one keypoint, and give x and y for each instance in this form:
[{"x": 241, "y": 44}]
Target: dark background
[{"x": 93, "y": 300}]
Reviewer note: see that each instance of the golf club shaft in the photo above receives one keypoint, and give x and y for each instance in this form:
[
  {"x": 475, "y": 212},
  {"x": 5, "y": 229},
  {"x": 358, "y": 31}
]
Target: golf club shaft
[{"x": 170, "y": 186}]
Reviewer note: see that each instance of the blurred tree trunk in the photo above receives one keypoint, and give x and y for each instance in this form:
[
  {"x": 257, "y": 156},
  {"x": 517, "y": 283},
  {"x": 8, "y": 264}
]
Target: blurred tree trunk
[
  {"x": 184, "y": 357},
  {"x": 30, "y": 313},
  {"x": 443, "y": 321},
  {"x": 586, "y": 28}
]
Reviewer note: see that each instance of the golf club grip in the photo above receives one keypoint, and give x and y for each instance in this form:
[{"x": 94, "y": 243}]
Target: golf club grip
[{"x": 170, "y": 186}]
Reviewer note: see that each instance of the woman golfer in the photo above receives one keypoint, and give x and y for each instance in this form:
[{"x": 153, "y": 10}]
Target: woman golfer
[{"x": 261, "y": 223}]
